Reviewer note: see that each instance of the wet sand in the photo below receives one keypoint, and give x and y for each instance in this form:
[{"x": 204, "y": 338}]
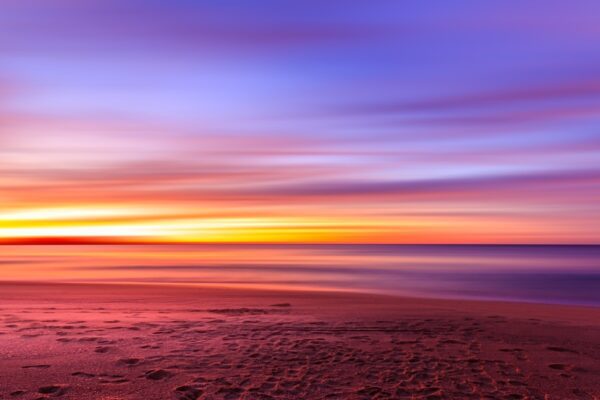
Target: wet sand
[{"x": 67, "y": 341}]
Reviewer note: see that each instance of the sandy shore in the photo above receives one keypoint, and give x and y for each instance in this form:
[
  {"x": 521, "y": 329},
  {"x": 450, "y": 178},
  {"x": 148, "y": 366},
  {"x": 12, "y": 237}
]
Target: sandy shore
[{"x": 151, "y": 342}]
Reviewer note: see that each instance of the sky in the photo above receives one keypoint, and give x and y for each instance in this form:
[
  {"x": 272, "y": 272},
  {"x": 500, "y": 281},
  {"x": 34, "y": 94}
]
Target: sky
[{"x": 299, "y": 121}]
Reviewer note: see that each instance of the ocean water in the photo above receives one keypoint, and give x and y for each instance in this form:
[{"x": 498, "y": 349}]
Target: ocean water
[{"x": 545, "y": 274}]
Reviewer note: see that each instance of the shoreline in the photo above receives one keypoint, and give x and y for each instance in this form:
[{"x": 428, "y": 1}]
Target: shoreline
[{"x": 301, "y": 290}]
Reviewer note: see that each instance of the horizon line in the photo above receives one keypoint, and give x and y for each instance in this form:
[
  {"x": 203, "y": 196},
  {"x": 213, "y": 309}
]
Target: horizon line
[{"x": 104, "y": 242}]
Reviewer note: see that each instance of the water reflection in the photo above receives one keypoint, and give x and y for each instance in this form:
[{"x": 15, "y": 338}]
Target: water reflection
[{"x": 552, "y": 274}]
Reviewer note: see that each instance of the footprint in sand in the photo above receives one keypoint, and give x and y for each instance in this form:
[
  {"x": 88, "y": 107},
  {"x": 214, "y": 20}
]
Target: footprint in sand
[
  {"x": 157, "y": 374},
  {"x": 516, "y": 383},
  {"x": 114, "y": 381},
  {"x": 561, "y": 349},
  {"x": 102, "y": 349},
  {"x": 560, "y": 367},
  {"x": 129, "y": 361},
  {"x": 88, "y": 339},
  {"x": 54, "y": 390},
  {"x": 83, "y": 375},
  {"x": 152, "y": 347},
  {"x": 187, "y": 393},
  {"x": 31, "y": 335}
]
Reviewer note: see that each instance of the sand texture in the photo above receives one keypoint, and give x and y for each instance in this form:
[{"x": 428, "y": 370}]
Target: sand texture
[{"x": 143, "y": 342}]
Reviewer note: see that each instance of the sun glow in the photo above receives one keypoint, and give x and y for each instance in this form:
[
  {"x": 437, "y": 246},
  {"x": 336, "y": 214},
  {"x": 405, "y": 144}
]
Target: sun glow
[{"x": 183, "y": 224}]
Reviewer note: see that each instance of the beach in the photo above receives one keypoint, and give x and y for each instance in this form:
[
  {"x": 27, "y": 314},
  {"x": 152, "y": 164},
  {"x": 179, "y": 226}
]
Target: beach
[
  {"x": 108, "y": 341},
  {"x": 308, "y": 200}
]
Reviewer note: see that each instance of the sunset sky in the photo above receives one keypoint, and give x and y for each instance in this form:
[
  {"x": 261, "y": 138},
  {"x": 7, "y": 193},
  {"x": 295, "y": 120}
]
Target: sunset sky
[{"x": 308, "y": 121}]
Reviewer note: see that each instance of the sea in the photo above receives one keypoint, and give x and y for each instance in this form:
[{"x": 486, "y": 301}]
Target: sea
[{"x": 553, "y": 274}]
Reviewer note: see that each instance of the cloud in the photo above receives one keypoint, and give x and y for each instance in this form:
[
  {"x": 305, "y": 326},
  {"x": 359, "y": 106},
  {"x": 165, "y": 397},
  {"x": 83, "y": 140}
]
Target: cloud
[
  {"x": 111, "y": 25},
  {"x": 502, "y": 100},
  {"x": 441, "y": 187}
]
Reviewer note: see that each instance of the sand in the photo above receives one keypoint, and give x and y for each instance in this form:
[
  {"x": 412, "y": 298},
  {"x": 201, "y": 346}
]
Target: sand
[{"x": 61, "y": 341}]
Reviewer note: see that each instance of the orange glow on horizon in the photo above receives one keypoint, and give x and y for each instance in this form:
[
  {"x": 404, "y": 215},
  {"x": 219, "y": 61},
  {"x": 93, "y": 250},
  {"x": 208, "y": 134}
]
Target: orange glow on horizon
[{"x": 133, "y": 225}]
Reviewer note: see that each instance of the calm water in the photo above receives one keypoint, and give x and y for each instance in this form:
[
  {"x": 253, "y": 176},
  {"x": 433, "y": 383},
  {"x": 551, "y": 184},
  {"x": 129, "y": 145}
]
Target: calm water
[{"x": 549, "y": 274}]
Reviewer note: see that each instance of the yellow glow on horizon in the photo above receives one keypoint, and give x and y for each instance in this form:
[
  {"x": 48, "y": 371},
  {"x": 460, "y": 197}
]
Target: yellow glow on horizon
[
  {"x": 182, "y": 224},
  {"x": 99, "y": 222}
]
